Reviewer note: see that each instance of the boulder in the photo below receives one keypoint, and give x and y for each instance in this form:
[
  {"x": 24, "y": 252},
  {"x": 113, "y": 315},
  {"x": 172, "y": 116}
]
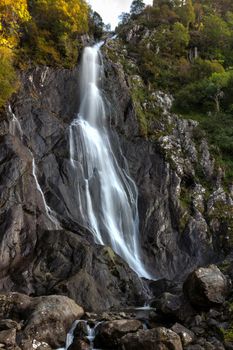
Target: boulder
[
  {"x": 45, "y": 320},
  {"x": 154, "y": 339},
  {"x": 186, "y": 336},
  {"x": 14, "y": 306},
  {"x": 50, "y": 319},
  {"x": 110, "y": 333},
  {"x": 206, "y": 287}
]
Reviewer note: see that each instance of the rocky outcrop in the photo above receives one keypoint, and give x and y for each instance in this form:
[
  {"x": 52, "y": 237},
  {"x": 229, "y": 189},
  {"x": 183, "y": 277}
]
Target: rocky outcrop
[{"x": 92, "y": 275}]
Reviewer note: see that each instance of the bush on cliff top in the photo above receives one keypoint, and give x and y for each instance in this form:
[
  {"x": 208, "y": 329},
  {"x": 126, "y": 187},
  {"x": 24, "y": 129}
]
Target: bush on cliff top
[{"x": 186, "y": 48}]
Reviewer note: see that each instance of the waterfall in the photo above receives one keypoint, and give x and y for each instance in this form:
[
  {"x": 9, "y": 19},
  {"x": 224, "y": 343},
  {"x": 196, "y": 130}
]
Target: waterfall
[
  {"x": 14, "y": 125},
  {"x": 108, "y": 196}
]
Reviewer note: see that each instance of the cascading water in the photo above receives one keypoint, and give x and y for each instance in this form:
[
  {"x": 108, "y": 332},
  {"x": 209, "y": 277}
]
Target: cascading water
[
  {"x": 14, "y": 125},
  {"x": 107, "y": 194},
  {"x": 48, "y": 210}
]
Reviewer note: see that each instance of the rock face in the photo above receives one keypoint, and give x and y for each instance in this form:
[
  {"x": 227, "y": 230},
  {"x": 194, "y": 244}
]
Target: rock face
[
  {"x": 181, "y": 224},
  {"x": 206, "y": 287},
  {"x": 44, "y": 320},
  {"x": 43, "y": 247},
  {"x": 93, "y": 276}
]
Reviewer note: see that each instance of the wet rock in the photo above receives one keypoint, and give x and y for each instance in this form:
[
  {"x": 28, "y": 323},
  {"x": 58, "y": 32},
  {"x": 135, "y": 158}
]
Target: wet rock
[
  {"x": 206, "y": 287},
  {"x": 109, "y": 333},
  {"x": 185, "y": 334},
  {"x": 154, "y": 339},
  {"x": 81, "y": 330}
]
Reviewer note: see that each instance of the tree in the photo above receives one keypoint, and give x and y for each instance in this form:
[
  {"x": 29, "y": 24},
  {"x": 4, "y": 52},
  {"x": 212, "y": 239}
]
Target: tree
[
  {"x": 216, "y": 33},
  {"x": 187, "y": 13},
  {"x": 96, "y": 25},
  {"x": 217, "y": 83},
  {"x": 12, "y": 15},
  {"x": 8, "y": 78},
  {"x": 180, "y": 38},
  {"x": 137, "y": 7},
  {"x": 202, "y": 94},
  {"x": 107, "y": 27},
  {"x": 124, "y": 18},
  {"x": 52, "y": 34}
]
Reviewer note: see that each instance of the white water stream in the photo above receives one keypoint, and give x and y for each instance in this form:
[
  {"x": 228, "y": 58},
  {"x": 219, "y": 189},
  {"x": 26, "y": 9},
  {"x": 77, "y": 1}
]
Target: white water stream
[
  {"x": 16, "y": 130},
  {"x": 91, "y": 333},
  {"x": 14, "y": 125},
  {"x": 107, "y": 193},
  {"x": 48, "y": 210}
]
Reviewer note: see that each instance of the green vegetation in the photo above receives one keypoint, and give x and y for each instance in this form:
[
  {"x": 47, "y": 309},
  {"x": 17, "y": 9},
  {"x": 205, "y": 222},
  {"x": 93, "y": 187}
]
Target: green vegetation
[
  {"x": 51, "y": 36},
  {"x": 8, "y": 79},
  {"x": 186, "y": 48}
]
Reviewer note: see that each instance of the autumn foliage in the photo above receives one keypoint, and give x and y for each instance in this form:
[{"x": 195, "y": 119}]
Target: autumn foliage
[{"x": 38, "y": 32}]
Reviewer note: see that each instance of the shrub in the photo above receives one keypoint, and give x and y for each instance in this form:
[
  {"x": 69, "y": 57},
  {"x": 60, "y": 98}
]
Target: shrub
[{"x": 8, "y": 77}]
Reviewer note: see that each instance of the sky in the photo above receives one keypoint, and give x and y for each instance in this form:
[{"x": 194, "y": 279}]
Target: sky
[{"x": 109, "y": 10}]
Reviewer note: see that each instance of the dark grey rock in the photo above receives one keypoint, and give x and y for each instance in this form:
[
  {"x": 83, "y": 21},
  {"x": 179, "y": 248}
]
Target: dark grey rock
[
  {"x": 185, "y": 334},
  {"x": 206, "y": 287}
]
